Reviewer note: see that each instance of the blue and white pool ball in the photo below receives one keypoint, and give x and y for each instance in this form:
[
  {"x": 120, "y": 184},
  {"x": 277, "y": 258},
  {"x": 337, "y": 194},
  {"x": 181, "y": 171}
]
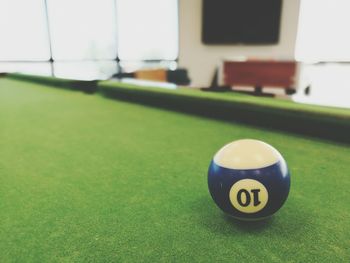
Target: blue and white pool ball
[{"x": 249, "y": 179}]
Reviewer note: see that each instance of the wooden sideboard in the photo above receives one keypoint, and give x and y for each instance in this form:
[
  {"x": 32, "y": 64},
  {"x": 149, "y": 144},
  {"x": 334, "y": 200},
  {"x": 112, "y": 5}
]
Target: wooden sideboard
[{"x": 260, "y": 73}]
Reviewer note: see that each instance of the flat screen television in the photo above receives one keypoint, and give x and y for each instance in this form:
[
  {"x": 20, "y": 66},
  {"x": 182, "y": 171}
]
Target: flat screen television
[{"x": 241, "y": 21}]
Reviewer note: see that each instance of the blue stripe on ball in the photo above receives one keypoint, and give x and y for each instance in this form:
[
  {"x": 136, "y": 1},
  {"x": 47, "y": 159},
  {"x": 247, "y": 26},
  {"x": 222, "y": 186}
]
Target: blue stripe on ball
[{"x": 275, "y": 178}]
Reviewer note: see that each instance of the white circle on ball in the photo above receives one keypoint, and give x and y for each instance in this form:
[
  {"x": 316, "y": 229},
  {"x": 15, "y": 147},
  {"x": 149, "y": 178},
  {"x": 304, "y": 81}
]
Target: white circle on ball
[
  {"x": 247, "y": 154},
  {"x": 248, "y": 196}
]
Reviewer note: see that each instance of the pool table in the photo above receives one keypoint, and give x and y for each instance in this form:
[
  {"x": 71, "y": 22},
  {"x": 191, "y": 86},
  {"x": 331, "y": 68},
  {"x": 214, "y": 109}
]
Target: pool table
[{"x": 87, "y": 178}]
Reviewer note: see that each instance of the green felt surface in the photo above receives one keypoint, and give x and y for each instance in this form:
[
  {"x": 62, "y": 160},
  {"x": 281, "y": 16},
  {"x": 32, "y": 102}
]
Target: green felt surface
[
  {"x": 279, "y": 114},
  {"x": 70, "y": 84},
  {"x": 88, "y": 179},
  {"x": 337, "y": 113}
]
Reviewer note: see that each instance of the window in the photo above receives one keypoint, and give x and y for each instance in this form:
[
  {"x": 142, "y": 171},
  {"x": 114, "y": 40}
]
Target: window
[
  {"x": 147, "y": 30},
  {"x": 87, "y": 36},
  {"x": 323, "y": 31},
  {"x": 23, "y": 31},
  {"x": 35, "y": 68},
  {"x": 82, "y": 29},
  {"x": 323, "y": 37}
]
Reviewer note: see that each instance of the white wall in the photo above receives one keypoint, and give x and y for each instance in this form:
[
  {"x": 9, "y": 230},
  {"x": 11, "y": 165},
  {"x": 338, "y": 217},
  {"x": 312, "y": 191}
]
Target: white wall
[{"x": 201, "y": 59}]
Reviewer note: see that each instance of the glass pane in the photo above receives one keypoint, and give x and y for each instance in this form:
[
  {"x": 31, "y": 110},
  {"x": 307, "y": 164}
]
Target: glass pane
[
  {"x": 147, "y": 29},
  {"x": 23, "y": 30},
  {"x": 130, "y": 66},
  {"x": 327, "y": 84},
  {"x": 323, "y": 31},
  {"x": 85, "y": 70},
  {"x": 83, "y": 29},
  {"x": 37, "y": 68}
]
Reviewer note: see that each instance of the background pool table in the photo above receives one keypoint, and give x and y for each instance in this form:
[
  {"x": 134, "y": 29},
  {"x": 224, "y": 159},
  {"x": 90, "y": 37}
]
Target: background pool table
[{"x": 85, "y": 178}]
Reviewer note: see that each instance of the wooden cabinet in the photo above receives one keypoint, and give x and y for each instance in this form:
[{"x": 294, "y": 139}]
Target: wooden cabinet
[{"x": 260, "y": 73}]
